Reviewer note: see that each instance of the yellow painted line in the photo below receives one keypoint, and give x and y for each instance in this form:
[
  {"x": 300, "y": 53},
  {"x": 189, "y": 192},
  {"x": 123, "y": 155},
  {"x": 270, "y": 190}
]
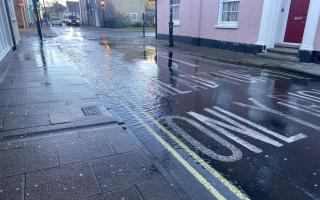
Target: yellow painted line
[
  {"x": 193, "y": 171},
  {"x": 195, "y": 156}
]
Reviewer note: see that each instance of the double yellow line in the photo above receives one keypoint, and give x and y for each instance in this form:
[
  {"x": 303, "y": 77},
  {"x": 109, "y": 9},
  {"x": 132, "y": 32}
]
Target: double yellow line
[{"x": 195, "y": 156}]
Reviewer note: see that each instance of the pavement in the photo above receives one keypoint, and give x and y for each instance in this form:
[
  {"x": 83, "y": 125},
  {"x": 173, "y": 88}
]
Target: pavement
[
  {"x": 236, "y": 58},
  {"x": 60, "y": 141}
]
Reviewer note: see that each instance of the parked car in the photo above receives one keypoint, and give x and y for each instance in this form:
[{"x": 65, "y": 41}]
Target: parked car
[
  {"x": 55, "y": 21},
  {"x": 72, "y": 20}
]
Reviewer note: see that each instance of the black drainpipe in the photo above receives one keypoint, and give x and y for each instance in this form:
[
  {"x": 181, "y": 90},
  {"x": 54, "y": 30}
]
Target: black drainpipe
[
  {"x": 156, "y": 18},
  {"x": 10, "y": 25}
]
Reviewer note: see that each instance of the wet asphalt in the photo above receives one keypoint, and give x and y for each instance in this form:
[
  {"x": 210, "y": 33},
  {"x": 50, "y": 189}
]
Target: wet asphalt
[{"x": 258, "y": 128}]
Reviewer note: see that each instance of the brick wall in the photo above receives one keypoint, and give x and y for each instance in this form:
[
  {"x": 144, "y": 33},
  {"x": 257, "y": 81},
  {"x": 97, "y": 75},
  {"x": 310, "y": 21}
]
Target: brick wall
[{"x": 125, "y": 7}]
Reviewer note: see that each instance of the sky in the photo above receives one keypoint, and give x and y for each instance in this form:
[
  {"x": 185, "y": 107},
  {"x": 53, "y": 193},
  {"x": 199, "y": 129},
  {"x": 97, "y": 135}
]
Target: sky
[{"x": 60, "y": 1}]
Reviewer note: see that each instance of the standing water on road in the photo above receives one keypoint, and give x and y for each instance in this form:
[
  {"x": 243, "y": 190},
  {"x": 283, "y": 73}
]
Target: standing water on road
[{"x": 258, "y": 129}]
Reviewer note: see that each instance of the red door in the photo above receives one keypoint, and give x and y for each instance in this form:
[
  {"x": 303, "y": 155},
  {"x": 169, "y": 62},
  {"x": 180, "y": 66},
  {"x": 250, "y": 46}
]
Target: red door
[{"x": 296, "y": 20}]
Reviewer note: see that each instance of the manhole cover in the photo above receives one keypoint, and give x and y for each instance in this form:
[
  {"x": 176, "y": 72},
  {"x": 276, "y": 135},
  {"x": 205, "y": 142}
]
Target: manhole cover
[{"x": 91, "y": 111}]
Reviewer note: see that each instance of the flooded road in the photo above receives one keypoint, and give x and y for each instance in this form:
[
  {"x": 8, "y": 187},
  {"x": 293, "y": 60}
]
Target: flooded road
[{"x": 223, "y": 131}]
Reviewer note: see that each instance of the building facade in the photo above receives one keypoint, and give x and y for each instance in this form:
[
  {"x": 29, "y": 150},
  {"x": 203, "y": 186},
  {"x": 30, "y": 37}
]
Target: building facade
[
  {"x": 9, "y": 32},
  {"x": 73, "y": 8},
  {"x": 21, "y": 8},
  {"x": 132, "y": 9},
  {"x": 251, "y": 26},
  {"x": 29, "y": 11},
  {"x": 94, "y": 12},
  {"x": 91, "y": 12}
]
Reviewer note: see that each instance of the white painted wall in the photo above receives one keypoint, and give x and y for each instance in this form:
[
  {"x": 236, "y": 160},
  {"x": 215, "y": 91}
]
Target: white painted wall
[{"x": 5, "y": 37}]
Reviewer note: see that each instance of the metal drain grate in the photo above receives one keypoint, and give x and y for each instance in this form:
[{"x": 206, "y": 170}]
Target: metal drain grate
[{"x": 91, "y": 111}]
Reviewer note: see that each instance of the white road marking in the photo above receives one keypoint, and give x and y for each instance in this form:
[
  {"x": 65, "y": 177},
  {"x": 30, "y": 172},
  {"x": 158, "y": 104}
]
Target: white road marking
[
  {"x": 267, "y": 109},
  {"x": 242, "y": 129},
  {"x": 300, "y": 109},
  {"x": 244, "y": 76},
  {"x": 212, "y": 123},
  {"x": 236, "y": 153},
  {"x": 166, "y": 90},
  {"x": 264, "y": 129},
  {"x": 226, "y": 76},
  {"x": 305, "y": 93},
  {"x": 179, "y": 61},
  {"x": 172, "y": 88},
  {"x": 304, "y": 97},
  {"x": 202, "y": 81},
  {"x": 210, "y": 76},
  {"x": 189, "y": 84}
]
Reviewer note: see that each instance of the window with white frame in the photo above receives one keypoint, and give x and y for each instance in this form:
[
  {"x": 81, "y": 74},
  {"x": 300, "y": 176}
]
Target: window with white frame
[
  {"x": 175, "y": 5},
  {"x": 229, "y": 12},
  {"x": 134, "y": 17}
]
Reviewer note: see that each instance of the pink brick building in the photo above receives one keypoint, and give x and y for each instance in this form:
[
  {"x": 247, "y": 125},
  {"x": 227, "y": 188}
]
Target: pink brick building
[{"x": 252, "y": 26}]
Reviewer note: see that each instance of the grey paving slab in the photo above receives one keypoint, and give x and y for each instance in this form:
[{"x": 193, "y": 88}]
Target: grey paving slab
[
  {"x": 53, "y": 138},
  {"x": 100, "y": 130},
  {"x": 49, "y": 128},
  {"x": 46, "y": 108},
  {"x": 59, "y": 118},
  {"x": 123, "y": 171},
  {"x": 95, "y": 121},
  {"x": 18, "y": 100},
  {"x": 6, "y": 85},
  {"x": 1, "y": 125},
  {"x": 3, "y": 110},
  {"x": 42, "y": 91},
  {"x": 123, "y": 141},
  {"x": 157, "y": 189},
  {"x": 12, "y": 144},
  {"x": 18, "y": 92},
  {"x": 31, "y": 158},
  {"x": 3, "y": 99},
  {"x": 49, "y": 97},
  {"x": 13, "y": 132},
  {"x": 82, "y": 149},
  {"x": 12, "y": 188},
  {"x": 25, "y": 84},
  {"x": 16, "y": 110},
  {"x": 21, "y": 122},
  {"x": 64, "y": 82},
  {"x": 74, "y": 181},
  {"x": 128, "y": 193}
]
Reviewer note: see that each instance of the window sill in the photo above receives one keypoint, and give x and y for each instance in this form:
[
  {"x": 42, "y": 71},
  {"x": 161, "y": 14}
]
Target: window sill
[
  {"x": 226, "y": 26},
  {"x": 176, "y": 23}
]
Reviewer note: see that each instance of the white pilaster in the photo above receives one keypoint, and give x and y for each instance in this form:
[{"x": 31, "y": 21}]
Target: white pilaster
[
  {"x": 268, "y": 24},
  {"x": 312, "y": 22},
  {"x": 264, "y": 23}
]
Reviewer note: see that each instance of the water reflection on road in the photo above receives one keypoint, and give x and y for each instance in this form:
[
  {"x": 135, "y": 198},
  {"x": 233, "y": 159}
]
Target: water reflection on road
[{"x": 259, "y": 128}]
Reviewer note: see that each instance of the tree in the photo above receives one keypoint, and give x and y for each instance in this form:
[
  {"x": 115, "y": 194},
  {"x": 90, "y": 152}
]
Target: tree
[
  {"x": 58, "y": 8},
  {"x": 150, "y": 4}
]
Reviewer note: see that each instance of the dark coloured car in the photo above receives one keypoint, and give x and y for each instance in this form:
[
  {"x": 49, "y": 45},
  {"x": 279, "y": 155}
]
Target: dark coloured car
[{"x": 72, "y": 20}]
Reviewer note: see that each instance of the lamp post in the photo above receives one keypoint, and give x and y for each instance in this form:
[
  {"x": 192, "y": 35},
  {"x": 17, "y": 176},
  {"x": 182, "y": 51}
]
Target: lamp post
[
  {"x": 171, "y": 26},
  {"x": 102, "y": 10},
  {"x": 143, "y": 25},
  {"x": 35, "y": 10}
]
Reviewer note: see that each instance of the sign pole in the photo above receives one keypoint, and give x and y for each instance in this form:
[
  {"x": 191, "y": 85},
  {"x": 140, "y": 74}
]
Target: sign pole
[
  {"x": 35, "y": 9},
  {"x": 171, "y": 26}
]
